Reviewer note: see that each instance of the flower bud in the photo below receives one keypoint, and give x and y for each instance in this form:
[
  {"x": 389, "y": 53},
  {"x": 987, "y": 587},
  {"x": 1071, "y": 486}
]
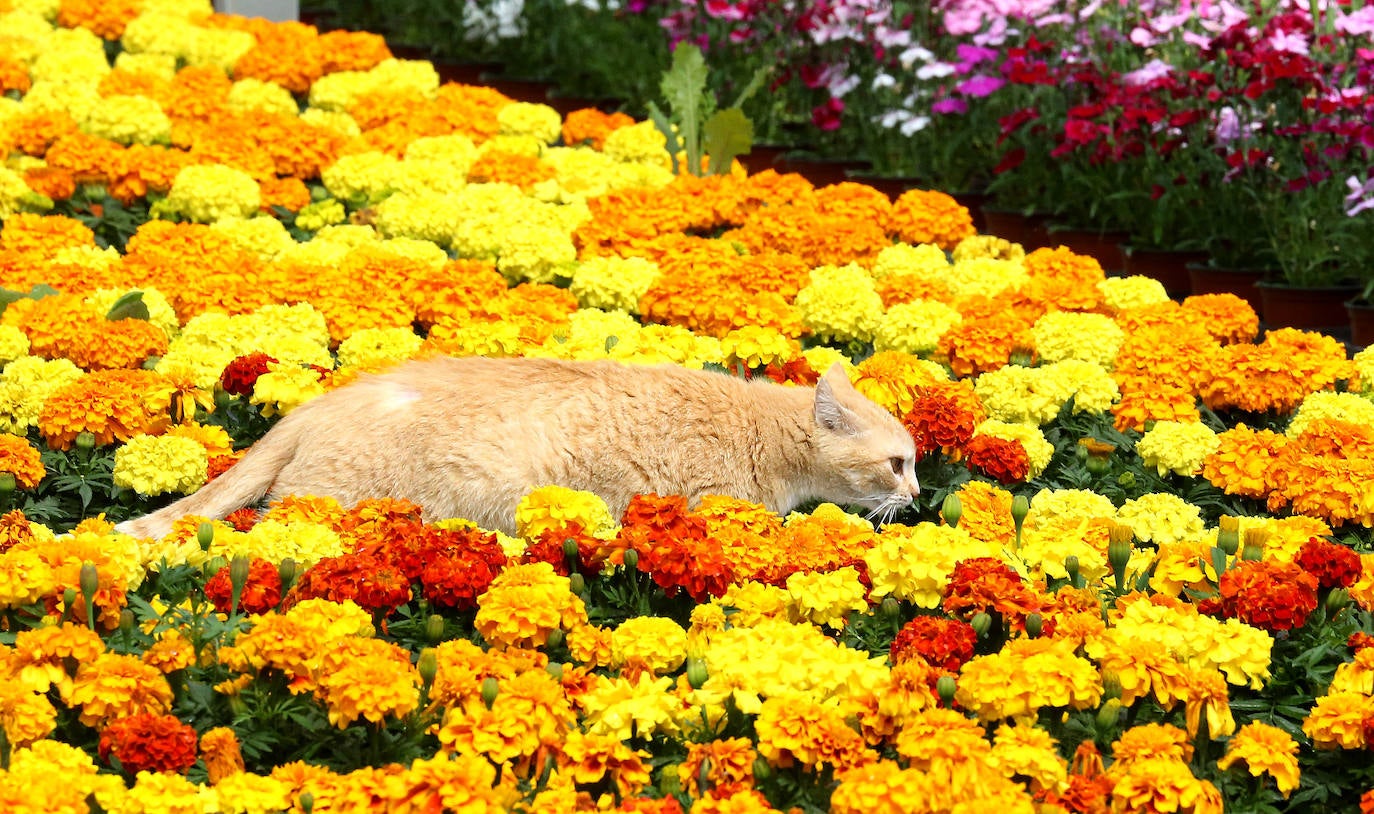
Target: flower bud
[
  {"x": 238, "y": 572},
  {"x": 571, "y": 551},
  {"x": 428, "y": 665},
  {"x": 1126, "y": 479},
  {"x": 577, "y": 583},
  {"x": 891, "y": 608},
  {"x": 631, "y": 559},
  {"x": 1337, "y": 601},
  {"x": 981, "y": 623},
  {"x": 69, "y": 598},
  {"x": 288, "y": 570},
  {"x": 205, "y": 535},
  {"x": 1252, "y": 552},
  {"x": 1228, "y": 535},
  {"x": 945, "y": 687},
  {"x": 89, "y": 581},
  {"x": 762, "y": 769},
  {"x": 697, "y": 674},
  {"x": 952, "y": 509},
  {"x": 1111, "y": 684},
  {"x": 1097, "y": 465},
  {"x": 1020, "y": 507},
  {"x": 7, "y": 482},
  {"x": 555, "y": 669},
  {"x": 222, "y": 398},
  {"x": 670, "y": 782},
  {"x": 1071, "y": 566},
  {"x": 1035, "y": 623},
  {"x": 555, "y": 639},
  {"x": 1119, "y": 550},
  {"x": 307, "y": 801},
  {"x": 85, "y": 440},
  {"x": 126, "y": 622},
  {"x": 490, "y": 689},
  {"x": 434, "y": 628},
  {"x": 1109, "y": 713}
]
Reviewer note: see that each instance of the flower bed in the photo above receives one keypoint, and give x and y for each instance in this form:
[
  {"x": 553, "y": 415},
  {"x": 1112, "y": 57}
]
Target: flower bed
[{"x": 1136, "y": 580}]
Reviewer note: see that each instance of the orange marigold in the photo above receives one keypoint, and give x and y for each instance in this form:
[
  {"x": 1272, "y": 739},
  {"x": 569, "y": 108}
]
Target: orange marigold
[
  {"x": 928, "y": 216},
  {"x": 352, "y": 50},
  {"x": 1226, "y": 317},
  {"x": 1161, "y": 402},
  {"x": 979, "y": 345},
  {"x": 856, "y": 202},
  {"x": 88, "y": 158},
  {"x": 1243, "y": 461},
  {"x": 44, "y": 234},
  {"x": 51, "y": 182},
  {"x": 591, "y": 126},
  {"x": 110, "y": 404},
  {"x": 19, "y": 459},
  {"x": 1276, "y": 374},
  {"x": 497, "y": 166},
  {"x": 290, "y": 194},
  {"x": 34, "y": 133},
  {"x": 288, "y": 54},
  {"x": 149, "y": 743},
  {"x": 104, "y": 18},
  {"x": 14, "y": 75}
]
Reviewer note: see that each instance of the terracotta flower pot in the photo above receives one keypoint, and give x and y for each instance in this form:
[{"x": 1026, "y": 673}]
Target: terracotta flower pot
[
  {"x": 1308, "y": 308},
  {"x": 890, "y": 185},
  {"x": 821, "y": 172},
  {"x": 765, "y": 156},
  {"x": 1207, "y": 279},
  {"x": 1169, "y": 266}
]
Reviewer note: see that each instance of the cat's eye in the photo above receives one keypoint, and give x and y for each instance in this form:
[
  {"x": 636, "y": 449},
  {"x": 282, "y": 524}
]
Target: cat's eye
[{"x": 898, "y": 464}]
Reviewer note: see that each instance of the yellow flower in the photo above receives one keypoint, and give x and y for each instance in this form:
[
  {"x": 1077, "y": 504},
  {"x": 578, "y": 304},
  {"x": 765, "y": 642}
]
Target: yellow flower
[
  {"x": 555, "y": 507},
  {"x": 1024, "y": 676},
  {"x": 372, "y": 348},
  {"x": 245, "y": 793},
  {"x": 154, "y": 465},
  {"x": 129, "y": 120},
  {"x": 797, "y": 730},
  {"x": 1177, "y": 446},
  {"x": 25, "y": 715},
  {"x": 525, "y": 119},
  {"x": 924, "y": 260},
  {"x": 368, "y": 678},
  {"x": 524, "y": 604},
  {"x": 1267, "y": 750},
  {"x": 1203, "y": 693},
  {"x": 1323, "y": 404},
  {"x": 286, "y": 386},
  {"x": 593, "y": 758},
  {"x": 205, "y": 193},
  {"x": 914, "y": 327},
  {"x": 13, "y": 344},
  {"x": 1123, "y": 293},
  {"x": 913, "y": 563},
  {"x": 116, "y": 686},
  {"x": 1029, "y": 751},
  {"x": 827, "y": 598},
  {"x": 1164, "y": 784},
  {"x": 1022, "y": 395},
  {"x": 840, "y": 304},
  {"x": 755, "y": 347},
  {"x": 1087, "y": 337},
  {"x": 651, "y": 643},
  {"x": 1161, "y": 518},
  {"x": 641, "y": 143},
  {"x": 882, "y": 787},
  {"x": 613, "y": 283},
  {"x": 1337, "y": 720},
  {"x": 625, "y": 707}
]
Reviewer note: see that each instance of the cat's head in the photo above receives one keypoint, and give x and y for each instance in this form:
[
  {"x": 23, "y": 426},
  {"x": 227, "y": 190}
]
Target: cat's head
[{"x": 865, "y": 456}]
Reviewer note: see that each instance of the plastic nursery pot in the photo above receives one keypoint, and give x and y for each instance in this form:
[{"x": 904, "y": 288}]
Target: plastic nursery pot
[
  {"x": 1207, "y": 279},
  {"x": 1361, "y": 316},
  {"x": 1168, "y": 266},
  {"x": 821, "y": 172},
  {"x": 1307, "y": 308}
]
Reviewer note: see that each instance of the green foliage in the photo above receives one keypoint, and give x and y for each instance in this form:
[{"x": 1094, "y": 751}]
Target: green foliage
[{"x": 693, "y": 125}]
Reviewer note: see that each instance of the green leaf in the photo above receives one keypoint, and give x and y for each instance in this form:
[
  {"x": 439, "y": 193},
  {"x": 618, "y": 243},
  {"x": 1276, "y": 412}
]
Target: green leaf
[
  {"x": 684, "y": 88},
  {"x": 729, "y": 133},
  {"x": 755, "y": 82},
  {"x": 660, "y": 120},
  {"x": 129, "y": 306}
]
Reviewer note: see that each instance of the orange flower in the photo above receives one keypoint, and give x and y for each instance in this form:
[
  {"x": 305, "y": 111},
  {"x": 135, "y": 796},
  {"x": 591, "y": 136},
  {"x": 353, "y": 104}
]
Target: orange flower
[
  {"x": 290, "y": 194},
  {"x": 817, "y": 237},
  {"x": 14, "y": 76},
  {"x": 34, "y": 133},
  {"x": 19, "y": 458},
  {"x": 855, "y": 201},
  {"x": 219, "y": 748},
  {"x": 149, "y": 743},
  {"x": 44, "y": 234},
  {"x": 89, "y": 159},
  {"x": 52, "y": 182},
  {"x": 289, "y": 54},
  {"x": 497, "y": 166},
  {"x": 591, "y": 126},
  {"x": 1268, "y": 595},
  {"x": 1276, "y": 374},
  {"x": 1160, "y": 402},
  {"x": 352, "y": 50},
  {"x": 144, "y": 168},
  {"x": 1243, "y": 462},
  {"x": 455, "y": 290},
  {"x": 111, "y": 405},
  {"x": 728, "y": 763},
  {"x": 105, "y": 18},
  {"x": 1226, "y": 317},
  {"x": 979, "y": 345},
  {"x": 920, "y": 216},
  {"x": 113, "y": 685}
]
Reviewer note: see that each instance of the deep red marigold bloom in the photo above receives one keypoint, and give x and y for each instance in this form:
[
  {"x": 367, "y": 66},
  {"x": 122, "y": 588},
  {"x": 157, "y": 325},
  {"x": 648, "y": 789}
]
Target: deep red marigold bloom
[
  {"x": 938, "y": 424},
  {"x": 242, "y": 519},
  {"x": 1271, "y": 596},
  {"x": 943, "y": 643},
  {"x": 457, "y": 578},
  {"x": 1334, "y": 565},
  {"x": 1000, "y": 458},
  {"x": 373, "y": 583},
  {"x": 986, "y": 584},
  {"x": 149, "y": 743},
  {"x": 261, "y": 591},
  {"x": 1359, "y": 640},
  {"x": 242, "y": 374}
]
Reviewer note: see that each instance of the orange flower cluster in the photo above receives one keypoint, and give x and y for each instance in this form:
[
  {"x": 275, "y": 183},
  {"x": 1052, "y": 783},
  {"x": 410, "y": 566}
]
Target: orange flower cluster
[
  {"x": 104, "y": 18},
  {"x": 591, "y": 126},
  {"x": 987, "y": 585},
  {"x": 149, "y": 743},
  {"x": 707, "y": 287},
  {"x": 19, "y": 458},
  {"x": 673, "y": 547},
  {"x": 943, "y": 643},
  {"x": 109, "y": 404},
  {"x": 261, "y": 591},
  {"x": 501, "y": 167},
  {"x": 63, "y": 327},
  {"x": 921, "y": 216},
  {"x": 1277, "y": 374},
  {"x": 1268, "y": 595}
]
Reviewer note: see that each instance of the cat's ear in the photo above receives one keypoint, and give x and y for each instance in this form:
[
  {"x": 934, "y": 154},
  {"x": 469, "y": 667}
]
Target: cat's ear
[{"x": 829, "y": 413}]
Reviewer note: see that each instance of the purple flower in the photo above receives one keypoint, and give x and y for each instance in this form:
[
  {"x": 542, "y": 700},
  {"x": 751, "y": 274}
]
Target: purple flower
[
  {"x": 1356, "y": 23},
  {"x": 980, "y": 86},
  {"x": 1361, "y": 196},
  {"x": 949, "y": 105}
]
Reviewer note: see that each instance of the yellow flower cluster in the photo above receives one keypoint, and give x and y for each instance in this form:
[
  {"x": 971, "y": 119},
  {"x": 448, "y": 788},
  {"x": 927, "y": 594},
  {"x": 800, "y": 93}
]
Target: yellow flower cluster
[{"x": 155, "y": 465}]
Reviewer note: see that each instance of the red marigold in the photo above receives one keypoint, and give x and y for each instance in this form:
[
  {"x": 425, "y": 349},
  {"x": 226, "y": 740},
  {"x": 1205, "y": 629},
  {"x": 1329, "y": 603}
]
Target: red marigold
[
  {"x": 242, "y": 374},
  {"x": 1000, "y": 458},
  {"x": 1268, "y": 595},
  {"x": 242, "y": 519},
  {"x": 943, "y": 643},
  {"x": 938, "y": 423},
  {"x": 674, "y": 547},
  {"x": 371, "y": 582},
  {"x": 1334, "y": 565},
  {"x": 1359, "y": 640},
  {"x": 149, "y": 743},
  {"x": 261, "y": 591},
  {"x": 986, "y": 584},
  {"x": 456, "y": 580}
]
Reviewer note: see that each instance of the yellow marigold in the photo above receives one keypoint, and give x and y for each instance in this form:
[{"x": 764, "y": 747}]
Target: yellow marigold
[
  {"x": 827, "y": 598},
  {"x": 650, "y": 643},
  {"x": 841, "y": 304},
  {"x": 526, "y": 119},
  {"x": 25, "y": 715},
  {"x": 893, "y": 379},
  {"x": 914, "y": 327},
  {"x": 613, "y": 283},
  {"x": 13, "y": 344},
  {"x": 1124, "y": 293},
  {"x": 524, "y": 604},
  {"x": 1161, "y": 518},
  {"x": 554, "y": 507},
  {"x": 985, "y": 276},
  {"x": 1177, "y": 446},
  {"x": 154, "y": 465},
  {"x": 625, "y": 707},
  {"x": 756, "y": 347},
  {"x": 753, "y": 602},
  {"x": 368, "y": 678},
  {"x": 286, "y": 386},
  {"x": 1026, "y": 395},
  {"x": 19, "y": 459},
  {"x": 925, "y": 260},
  {"x": 1336, "y": 720},
  {"x": 1067, "y": 335},
  {"x": 1024, "y": 676},
  {"x": 987, "y": 246},
  {"x": 1164, "y": 784},
  {"x": 206, "y": 193},
  {"x": 594, "y": 758},
  {"x": 921, "y": 216},
  {"x": 914, "y": 563},
  {"x": 1265, "y": 749},
  {"x": 641, "y": 143},
  {"x": 1029, "y": 751},
  {"x": 129, "y": 120},
  {"x": 116, "y": 686},
  {"x": 1340, "y": 406}
]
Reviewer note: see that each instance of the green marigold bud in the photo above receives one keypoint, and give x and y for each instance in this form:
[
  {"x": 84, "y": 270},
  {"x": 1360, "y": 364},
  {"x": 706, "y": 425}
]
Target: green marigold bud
[
  {"x": 1020, "y": 507},
  {"x": 490, "y": 689},
  {"x": 434, "y": 628},
  {"x": 205, "y": 535},
  {"x": 1337, "y": 601},
  {"x": 981, "y": 623},
  {"x": 1109, "y": 713},
  {"x": 428, "y": 665},
  {"x": 1035, "y": 623},
  {"x": 632, "y": 559},
  {"x": 7, "y": 482},
  {"x": 697, "y": 673},
  {"x": 89, "y": 581},
  {"x": 951, "y": 509},
  {"x": 85, "y": 440},
  {"x": 555, "y": 639},
  {"x": 577, "y": 583},
  {"x": 891, "y": 608},
  {"x": 945, "y": 687},
  {"x": 762, "y": 769}
]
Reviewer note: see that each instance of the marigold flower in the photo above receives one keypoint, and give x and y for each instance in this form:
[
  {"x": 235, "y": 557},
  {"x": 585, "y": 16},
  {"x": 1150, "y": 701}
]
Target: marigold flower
[
  {"x": 1003, "y": 460},
  {"x": 1334, "y": 565},
  {"x": 938, "y": 423},
  {"x": 1336, "y": 720},
  {"x": 170, "y": 652},
  {"x": 26, "y": 715},
  {"x": 153, "y": 465},
  {"x": 1265, "y": 749},
  {"x": 1268, "y": 595},
  {"x": 524, "y": 604},
  {"x": 20, "y": 459},
  {"x": 147, "y": 742},
  {"x": 1164, "y": 784},
  {"x": 943, "y": 643},
  {"x": 882, "y": 787},
  {"x": 797, "y": 731},
  {"x": 592, "y": 126},
  {"x": 1024, "y": 676},
  {"x": 827, "y": 598},
  {"x": 115, "y": 686},
  {"x": 530, "y": 712},
  {"x": 261, "y": 592},
  {"x": 111, "y": 405},
  {"x": 369, "y": 679},
  {"x": 594, "y": 758},
  {"x": 648, "y": 643},
  {"x": 928, "y": 216},
  {"x": 1161, "y": 518}
]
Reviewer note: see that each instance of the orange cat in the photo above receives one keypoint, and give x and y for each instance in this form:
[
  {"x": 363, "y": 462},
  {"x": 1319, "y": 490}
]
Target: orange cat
[{"x": 469, "y": 437}]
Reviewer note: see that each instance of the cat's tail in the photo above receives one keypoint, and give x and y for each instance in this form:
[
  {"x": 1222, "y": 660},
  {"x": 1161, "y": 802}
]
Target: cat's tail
[{"x": 243, "y": 484}]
